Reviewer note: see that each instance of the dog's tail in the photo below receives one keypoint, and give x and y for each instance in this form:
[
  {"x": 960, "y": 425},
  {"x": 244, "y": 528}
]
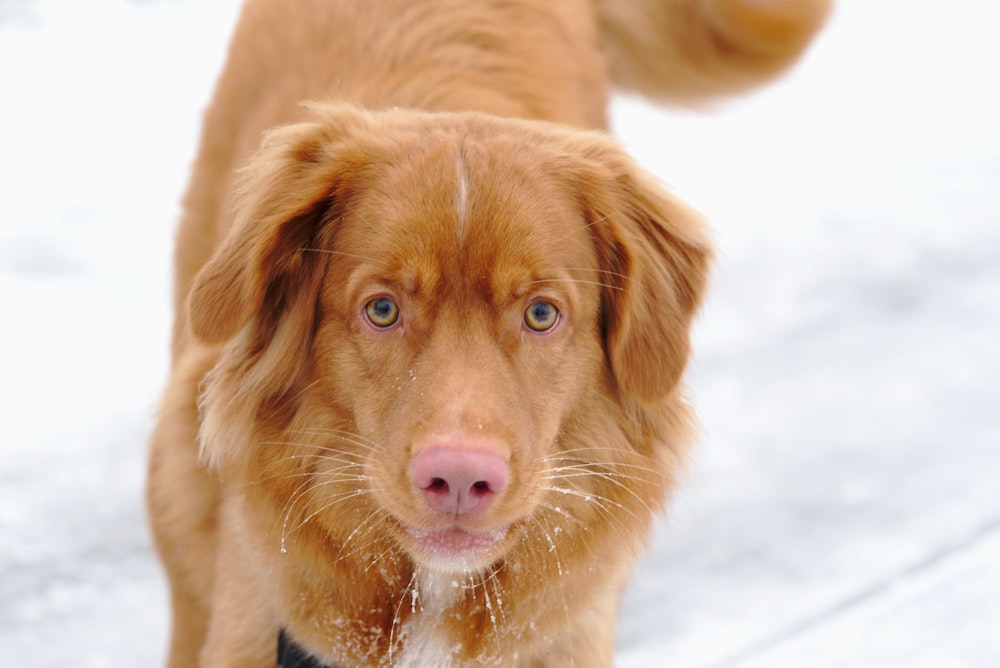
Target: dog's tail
[{"x": 692, "y": 51}]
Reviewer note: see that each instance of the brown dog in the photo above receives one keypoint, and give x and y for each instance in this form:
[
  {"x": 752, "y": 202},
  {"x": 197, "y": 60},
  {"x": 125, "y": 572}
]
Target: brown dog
[{"x": 430, "y": 335}]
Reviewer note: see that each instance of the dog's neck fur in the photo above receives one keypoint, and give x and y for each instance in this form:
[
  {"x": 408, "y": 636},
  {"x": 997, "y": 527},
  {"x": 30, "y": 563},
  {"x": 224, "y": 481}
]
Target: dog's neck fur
[
  {"x": 430, "y": 594},
  {"x": 425, "y": 644}
]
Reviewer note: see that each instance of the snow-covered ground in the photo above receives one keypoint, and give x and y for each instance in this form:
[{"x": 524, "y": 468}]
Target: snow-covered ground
[{"x": 844, "y": 507}]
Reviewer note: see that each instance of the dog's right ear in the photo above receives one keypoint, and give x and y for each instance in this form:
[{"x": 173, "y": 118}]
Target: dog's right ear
[{"x": 287, "y": 192}]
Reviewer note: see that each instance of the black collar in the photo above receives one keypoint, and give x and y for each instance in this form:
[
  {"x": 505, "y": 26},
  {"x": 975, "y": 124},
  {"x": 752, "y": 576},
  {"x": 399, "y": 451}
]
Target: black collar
[{"x": 291, "y": 654}]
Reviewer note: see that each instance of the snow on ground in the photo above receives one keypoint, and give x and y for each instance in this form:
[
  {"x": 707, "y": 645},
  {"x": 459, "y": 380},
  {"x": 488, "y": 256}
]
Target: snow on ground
[{"x": 843, "y": 507}]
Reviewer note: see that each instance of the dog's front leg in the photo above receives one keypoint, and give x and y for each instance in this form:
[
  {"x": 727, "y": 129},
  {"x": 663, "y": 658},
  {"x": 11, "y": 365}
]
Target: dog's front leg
[{"x": 242, "y": 631}]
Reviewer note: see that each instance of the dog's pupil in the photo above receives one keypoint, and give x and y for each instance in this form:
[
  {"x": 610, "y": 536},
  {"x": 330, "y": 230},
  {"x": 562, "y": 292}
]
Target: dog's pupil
[
  {"x": 541, "y": 313},
  {"x": 382, "y": 311}
]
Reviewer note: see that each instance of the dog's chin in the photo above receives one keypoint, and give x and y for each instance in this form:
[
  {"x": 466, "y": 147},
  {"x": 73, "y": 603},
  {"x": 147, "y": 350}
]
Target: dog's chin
[{"x": 456, "y": 550}]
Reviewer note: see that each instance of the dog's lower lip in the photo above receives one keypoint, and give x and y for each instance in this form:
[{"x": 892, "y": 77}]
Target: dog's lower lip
[{"x": 456, "y": 542}]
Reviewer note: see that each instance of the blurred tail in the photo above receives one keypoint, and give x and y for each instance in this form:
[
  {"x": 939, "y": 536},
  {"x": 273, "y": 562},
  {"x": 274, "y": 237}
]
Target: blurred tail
[{"x": 691, "y": 51}]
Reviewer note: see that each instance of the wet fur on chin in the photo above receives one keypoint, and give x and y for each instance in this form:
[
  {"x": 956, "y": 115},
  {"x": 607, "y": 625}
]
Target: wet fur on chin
[{"x": 282, "y": 488}]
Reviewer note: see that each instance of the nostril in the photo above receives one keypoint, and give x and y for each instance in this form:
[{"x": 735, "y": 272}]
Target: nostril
[
  {"x": 438, "y": 485},
  {"x": 481, "y": 487}
]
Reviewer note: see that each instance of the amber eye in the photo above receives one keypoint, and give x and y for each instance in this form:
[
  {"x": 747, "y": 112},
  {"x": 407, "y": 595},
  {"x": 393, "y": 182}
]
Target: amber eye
[
  {"x": 382, "y": 312},
  {"x": 541, "y": 316}
]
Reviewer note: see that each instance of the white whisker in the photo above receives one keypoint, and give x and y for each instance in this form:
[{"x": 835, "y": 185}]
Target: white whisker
[
  {"x": 599, "y": 271},
  {"x": 579, "y": 280},
  {"x": 493, "y": 618},
  {"x": 395, "y": 617},
  {"x": 611, "y": 476},
  {"x": 337, "y": 498}
]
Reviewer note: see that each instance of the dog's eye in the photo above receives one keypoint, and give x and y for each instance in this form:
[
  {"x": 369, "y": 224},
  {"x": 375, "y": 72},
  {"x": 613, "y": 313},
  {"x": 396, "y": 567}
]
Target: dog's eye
[
  {"x": 541, "y": 316},
  {"x": 382, "y": 312}
]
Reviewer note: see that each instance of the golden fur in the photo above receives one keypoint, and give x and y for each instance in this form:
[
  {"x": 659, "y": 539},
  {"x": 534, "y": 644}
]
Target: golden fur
[{"x": 452, "y": 167}]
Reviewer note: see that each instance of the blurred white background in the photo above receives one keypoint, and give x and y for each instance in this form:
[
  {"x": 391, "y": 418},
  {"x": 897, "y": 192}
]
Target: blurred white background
[{"x": 843, "y": 508}]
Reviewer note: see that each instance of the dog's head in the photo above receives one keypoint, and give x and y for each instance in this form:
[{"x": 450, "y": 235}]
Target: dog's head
[{"x": 452, "y": 334}]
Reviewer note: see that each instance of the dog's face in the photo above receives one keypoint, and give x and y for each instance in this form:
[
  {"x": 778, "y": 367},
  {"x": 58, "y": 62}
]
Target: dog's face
[{"x": 446, "y": 333}]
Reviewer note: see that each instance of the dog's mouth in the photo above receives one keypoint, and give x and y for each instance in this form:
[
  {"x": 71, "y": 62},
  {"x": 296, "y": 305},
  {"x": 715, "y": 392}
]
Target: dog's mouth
[{"x": 455, "y": 549}]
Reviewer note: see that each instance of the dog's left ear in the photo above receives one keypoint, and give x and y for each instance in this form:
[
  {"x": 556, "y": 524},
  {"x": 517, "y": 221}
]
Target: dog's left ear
[{"x": 655, "y": 253}]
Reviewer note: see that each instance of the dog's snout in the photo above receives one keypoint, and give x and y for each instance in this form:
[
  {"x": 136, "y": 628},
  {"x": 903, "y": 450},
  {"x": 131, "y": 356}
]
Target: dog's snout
[{"x": 457, "y": 481}]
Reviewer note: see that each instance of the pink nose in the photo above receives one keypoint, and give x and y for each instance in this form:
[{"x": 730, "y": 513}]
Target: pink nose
[{"x": 459, "y": 482}]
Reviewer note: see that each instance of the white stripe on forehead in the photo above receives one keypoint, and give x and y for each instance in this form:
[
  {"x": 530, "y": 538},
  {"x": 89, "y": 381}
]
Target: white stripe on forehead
[{"x": 462, "y": 198}]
